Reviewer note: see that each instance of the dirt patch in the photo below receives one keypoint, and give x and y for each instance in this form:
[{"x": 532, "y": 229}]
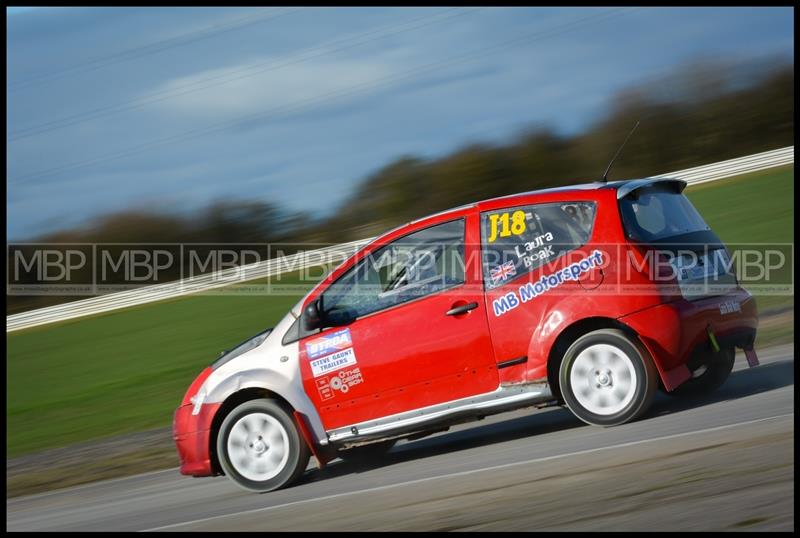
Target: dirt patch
[{"x": 94, "y": 460}]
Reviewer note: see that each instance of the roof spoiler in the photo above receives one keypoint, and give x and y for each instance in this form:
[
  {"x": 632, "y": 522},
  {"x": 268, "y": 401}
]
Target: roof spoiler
[{"x": 632, "y": 186}]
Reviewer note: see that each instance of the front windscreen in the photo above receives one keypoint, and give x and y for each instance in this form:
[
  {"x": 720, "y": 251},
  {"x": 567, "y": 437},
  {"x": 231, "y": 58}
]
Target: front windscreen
[{"x": 241, "y": 349}]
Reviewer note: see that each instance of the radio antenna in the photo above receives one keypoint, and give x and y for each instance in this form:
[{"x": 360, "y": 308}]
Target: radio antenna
[{"x": 605, "y": 176}]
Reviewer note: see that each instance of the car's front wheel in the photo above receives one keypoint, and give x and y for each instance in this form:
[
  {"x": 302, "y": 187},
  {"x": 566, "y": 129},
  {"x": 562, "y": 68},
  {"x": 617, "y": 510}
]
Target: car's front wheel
[
  {"x": 259, "y": 446},
  {"x": 607, "y": 378}
]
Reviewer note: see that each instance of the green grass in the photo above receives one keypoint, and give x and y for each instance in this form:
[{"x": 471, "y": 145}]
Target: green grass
[
  {"x": 57, "y": 476},
  {"x": 126, "y": 371},
  {"x": 757, "y": 207}
]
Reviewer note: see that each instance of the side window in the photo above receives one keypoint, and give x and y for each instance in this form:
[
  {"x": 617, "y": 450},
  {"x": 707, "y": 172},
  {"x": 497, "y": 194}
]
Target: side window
[
  {"x": 517, "y": 240},
  {"x": 413, "y": 266}
]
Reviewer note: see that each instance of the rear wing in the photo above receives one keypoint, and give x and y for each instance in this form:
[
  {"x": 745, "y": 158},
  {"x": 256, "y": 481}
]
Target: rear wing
[{"x": 632, "y": 186}]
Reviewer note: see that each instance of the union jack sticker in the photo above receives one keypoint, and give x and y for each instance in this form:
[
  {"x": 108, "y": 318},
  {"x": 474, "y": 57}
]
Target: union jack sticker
[{"x": 503, "y": 272}]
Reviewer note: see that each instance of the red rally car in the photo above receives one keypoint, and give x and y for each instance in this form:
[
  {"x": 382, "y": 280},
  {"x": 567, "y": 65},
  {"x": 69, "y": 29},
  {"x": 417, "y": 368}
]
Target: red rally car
[{"x": 589, "y": 296}]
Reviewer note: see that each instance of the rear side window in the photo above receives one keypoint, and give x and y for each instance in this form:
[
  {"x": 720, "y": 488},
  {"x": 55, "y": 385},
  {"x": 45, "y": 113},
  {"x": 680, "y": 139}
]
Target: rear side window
[
  {"x": 657, "y": 213},
  {"x": 517, "y": 240}
]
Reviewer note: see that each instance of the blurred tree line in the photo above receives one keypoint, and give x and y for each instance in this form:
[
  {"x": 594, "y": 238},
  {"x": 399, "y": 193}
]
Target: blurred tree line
[{"x": 701, "y": 113}]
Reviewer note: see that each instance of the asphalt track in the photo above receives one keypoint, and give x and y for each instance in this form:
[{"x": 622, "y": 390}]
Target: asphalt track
[{"x": 721, "y": 462}]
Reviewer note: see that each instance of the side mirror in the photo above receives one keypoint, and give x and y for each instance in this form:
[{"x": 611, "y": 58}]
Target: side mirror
[
  {"x": 339, "y": 317},
  {"x": 311, "y": 316}
]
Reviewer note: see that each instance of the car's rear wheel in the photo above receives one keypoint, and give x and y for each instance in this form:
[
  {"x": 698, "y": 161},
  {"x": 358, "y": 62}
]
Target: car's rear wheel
[
  {"x": 607, "y": 378},
  {"x": 710, "y": 375},
  {"x": 367, "y": 453},
  {"x": 259, "y": 446}
]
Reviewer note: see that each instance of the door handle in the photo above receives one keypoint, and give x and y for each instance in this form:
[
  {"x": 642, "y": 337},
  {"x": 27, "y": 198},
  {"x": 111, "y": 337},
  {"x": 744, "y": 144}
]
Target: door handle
[{"x": 463, "y": 309}]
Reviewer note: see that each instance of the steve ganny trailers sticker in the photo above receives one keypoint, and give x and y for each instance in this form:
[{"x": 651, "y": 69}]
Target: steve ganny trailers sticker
[{"x": 331, "y": 352}]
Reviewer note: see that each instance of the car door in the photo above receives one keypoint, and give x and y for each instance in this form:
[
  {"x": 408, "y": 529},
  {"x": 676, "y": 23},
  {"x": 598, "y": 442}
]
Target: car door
[
  {"x": 525, "y": 250},
  {"x": 411, "y": 329}
]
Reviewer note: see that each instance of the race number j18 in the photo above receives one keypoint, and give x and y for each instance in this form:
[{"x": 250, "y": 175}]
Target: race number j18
[{"x": 513, "y": 224}]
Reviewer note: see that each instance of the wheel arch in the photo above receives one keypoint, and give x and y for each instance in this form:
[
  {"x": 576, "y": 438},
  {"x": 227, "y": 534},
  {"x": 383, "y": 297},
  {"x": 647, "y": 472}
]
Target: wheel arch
[
  {"x": 231, "y": 402},
  {"x": 571, "y": 333}
]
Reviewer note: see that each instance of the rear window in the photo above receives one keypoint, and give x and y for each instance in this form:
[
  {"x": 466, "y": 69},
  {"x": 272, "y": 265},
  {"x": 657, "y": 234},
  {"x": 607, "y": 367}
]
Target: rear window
[{"x": 657, "y": 212}]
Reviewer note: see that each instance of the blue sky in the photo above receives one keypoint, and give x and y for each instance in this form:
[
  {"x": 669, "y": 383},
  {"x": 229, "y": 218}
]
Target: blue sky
[{"x": 170, "y": 108}]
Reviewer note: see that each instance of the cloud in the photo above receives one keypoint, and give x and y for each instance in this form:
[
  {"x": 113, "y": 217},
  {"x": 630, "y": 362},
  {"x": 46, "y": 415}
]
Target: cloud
[{"x": 292, "y": 84}]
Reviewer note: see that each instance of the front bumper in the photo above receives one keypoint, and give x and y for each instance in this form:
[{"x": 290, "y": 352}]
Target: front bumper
[
  {"x": 192, "y": 435},
  {"x": 673, "y": 332}
]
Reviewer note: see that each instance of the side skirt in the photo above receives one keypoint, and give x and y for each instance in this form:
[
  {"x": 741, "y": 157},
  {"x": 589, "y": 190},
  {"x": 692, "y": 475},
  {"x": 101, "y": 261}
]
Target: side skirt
[{"x": 503, "y": 398}]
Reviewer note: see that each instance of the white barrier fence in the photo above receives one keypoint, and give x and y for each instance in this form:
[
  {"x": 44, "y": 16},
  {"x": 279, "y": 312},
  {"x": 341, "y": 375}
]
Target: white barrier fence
[
  {"x": 306, "y": 259},
  {"x": 734, "y": 167},
  {"x": 170, "y": 290}
]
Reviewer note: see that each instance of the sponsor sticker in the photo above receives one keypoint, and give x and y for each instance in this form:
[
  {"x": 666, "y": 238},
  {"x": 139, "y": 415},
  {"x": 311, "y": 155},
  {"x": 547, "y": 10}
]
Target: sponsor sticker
[
  {"x": 729, "y": 307},
  {"x": 333, "y": 362},
  {"x": 511, "y": 300},
  {"x": 503, "y": 304},
  {"x": 341, "y": 382},
  {"x": 329, "y": 343}
]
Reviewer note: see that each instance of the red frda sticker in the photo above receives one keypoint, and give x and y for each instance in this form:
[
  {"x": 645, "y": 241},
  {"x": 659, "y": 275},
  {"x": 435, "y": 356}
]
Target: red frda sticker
[{"x": 341, "y": 381}]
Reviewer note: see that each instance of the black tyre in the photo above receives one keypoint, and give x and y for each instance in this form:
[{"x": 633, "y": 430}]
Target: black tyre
[
  {"x": 259, "y": 446},
  {"x": 607, "y": 378},
  {"x": 367, "y": 453},
  {"x": 710, "y": 375}
]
